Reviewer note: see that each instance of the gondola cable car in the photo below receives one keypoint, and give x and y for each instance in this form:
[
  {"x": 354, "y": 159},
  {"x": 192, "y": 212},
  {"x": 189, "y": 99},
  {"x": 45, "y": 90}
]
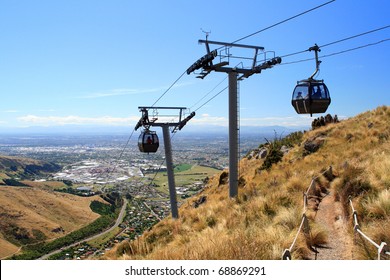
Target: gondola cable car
[
  {"x": 148, "y": 141},
  {"x": 311, "y": 96}
]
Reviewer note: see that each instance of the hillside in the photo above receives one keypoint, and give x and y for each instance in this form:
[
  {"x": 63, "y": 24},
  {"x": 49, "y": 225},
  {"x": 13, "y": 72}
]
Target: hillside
[
  {"x": 29, "y": 215},
  {"x": 24, "y": 168},
  {"x": 265, "y": 217}
]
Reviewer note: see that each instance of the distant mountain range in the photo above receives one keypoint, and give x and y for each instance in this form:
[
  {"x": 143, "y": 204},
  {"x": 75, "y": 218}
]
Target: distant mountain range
[{"x": 103, "y": 130}]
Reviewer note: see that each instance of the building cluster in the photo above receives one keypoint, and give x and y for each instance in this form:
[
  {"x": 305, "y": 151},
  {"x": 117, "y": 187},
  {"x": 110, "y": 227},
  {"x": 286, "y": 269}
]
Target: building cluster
[{"x": 98, "y": 172}]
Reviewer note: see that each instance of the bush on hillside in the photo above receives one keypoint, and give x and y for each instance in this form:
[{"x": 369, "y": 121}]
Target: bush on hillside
[
  {"x": 14, "y": 183},
  {"x": 274, "y": 148},
  {"x": 101, "y": 208}
]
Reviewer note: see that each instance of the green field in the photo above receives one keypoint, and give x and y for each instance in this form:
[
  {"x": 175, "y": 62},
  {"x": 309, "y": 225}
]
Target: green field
[
  {"x": 182, "y": 167},
  {"x": 185, "y": 174}
]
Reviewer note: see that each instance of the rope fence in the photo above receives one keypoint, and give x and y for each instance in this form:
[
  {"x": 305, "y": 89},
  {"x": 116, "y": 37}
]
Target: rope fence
[
  {"x": 304, "y": 222},
  {"x": 380, "y": 247},
  {"x": 305, "y": 225}
]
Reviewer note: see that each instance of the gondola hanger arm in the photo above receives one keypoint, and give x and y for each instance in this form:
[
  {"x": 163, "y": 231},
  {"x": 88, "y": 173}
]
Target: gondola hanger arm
[{"x": 316, "y": 49}]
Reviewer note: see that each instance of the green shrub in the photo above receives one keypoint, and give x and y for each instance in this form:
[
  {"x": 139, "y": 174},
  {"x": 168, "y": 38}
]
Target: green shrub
[
  {"x": 14, "y": 183},
  {"x": 275, "y": 154},
  {"x": 101, "y": 208}
]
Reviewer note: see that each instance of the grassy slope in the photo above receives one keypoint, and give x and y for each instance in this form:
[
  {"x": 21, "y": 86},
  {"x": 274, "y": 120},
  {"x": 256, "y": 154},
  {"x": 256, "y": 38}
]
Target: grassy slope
[
  {"x": 37, "y": 209},
  {"x": 7, "y": 161},
  {"x": 264, "y": 219},
  {"x": 7, "y": 248}
]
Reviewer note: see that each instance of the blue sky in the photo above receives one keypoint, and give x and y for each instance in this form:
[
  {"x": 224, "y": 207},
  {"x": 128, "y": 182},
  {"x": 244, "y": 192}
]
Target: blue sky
[{"x": 92, "y": 63}]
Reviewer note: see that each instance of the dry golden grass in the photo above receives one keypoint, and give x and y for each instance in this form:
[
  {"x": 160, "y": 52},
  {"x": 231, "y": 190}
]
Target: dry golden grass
[
  {"x": 45, "y": 185},
  {"x": 264, "y": 219},
  {"x": 18, "y": 160},
  {"x": 37, "y": 209},
  {"x": 378, "y": 207},
  {"x": 6, "y": 248}
]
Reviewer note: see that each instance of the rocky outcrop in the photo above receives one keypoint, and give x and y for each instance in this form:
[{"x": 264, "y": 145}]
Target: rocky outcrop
[
  {"x": 313, "y": 144},
  {"x": 199, "y": 201}
]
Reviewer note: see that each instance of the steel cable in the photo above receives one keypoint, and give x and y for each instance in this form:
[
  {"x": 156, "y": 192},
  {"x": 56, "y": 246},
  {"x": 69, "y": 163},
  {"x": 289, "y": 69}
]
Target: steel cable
[{"x": 283, "y": 21}]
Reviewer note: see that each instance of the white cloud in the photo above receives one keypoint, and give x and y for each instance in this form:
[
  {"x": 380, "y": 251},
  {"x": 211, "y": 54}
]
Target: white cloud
[
  {"x": 289, "y": 121},
  {"x": 11, "y": 111},
  {"x": 114, "y": 92},
  {"x": 201, "y": 120},
  {"x": 206, "y": 119},
  {"x": 76, "y": 120}
]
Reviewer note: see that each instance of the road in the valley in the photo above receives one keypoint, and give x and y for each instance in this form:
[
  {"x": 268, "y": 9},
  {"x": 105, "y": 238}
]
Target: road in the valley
[{"x": 118, "y": 221}]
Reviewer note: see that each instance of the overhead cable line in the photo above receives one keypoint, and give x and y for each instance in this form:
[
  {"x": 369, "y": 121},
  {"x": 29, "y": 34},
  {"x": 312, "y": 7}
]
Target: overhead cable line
[
  {"x": 208, "y": 93},
  {"x": 120, "y": 157},
  {"x": 355, "y": 36},
  {"x": 337, "y": 41},
  {"x": 211, "y": 98},
  {"x": 356, "y": 48},
  {"x": 295, "y": 53},
  {"x": 283, "y": 21},
  {"x": 340, "y": 52},
  {"x": 165, "y": 92},
  {"x": 124, "y": 148}
]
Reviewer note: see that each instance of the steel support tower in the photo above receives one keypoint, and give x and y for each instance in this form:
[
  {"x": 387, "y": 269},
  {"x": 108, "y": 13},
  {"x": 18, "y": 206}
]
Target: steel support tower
[
  {"x": 146, "y": 122},
  {"x": 235, "y": 74}
]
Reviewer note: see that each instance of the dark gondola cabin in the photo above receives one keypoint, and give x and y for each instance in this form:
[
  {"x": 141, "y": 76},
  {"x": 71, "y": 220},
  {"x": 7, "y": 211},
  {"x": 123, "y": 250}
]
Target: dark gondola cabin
[
  {"x": 148, "y": 142},
  {"x": 310, "y": 97}
]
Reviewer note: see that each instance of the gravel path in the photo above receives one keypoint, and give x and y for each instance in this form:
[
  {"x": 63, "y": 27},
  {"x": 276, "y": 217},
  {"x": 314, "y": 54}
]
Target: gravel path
[{"x": 329, "y": 216}]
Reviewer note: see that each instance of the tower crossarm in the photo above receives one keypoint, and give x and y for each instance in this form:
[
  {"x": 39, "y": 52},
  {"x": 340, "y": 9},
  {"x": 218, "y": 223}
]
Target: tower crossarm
[{"x": 205, "y": 63}]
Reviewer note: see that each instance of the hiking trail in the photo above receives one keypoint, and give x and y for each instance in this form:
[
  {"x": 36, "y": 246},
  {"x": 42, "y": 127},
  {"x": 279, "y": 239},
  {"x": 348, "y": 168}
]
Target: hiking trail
[{"x": 330, "y": 217}]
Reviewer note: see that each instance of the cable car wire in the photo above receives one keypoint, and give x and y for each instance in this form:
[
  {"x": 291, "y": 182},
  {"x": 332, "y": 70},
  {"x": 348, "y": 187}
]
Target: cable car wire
[
  {"x": 208, "y": 93},
  {"x": 283, "y": 21},
  {"x": 360, "y": 47},
  {"x": 118, "y": 159},
  {"x": 355, "y": 36},
  {"x": 124, "y": 148},
  {"x": 165, "y": 92},
  {"x": 211, "y": 98},
  {"x": 337, "y": 41},
  {"x": 340, "y": 52}
]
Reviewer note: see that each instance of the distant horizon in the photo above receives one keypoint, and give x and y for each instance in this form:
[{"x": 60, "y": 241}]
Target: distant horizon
[{"x": 127, "y": 130}]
